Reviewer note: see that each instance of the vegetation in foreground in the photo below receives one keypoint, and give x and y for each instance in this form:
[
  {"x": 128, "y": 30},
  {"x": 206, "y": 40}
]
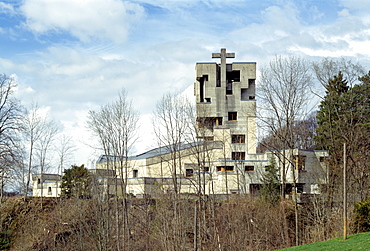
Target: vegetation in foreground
[{"x": 166, "y": 223}]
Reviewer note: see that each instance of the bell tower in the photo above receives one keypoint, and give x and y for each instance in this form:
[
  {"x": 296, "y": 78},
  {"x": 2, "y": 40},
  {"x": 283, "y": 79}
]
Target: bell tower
[{"x": 226, "y": 105}]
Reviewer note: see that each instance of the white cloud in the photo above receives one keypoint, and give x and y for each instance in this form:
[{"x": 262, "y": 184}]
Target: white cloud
[
  {"x": 84, "y": 19},
  {"x": 343, "y": 13},
  {"x": 6, "y": 8}
]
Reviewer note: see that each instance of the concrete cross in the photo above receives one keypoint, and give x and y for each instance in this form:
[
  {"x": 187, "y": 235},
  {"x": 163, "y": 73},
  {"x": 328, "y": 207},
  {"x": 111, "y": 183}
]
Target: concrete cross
[{"x": 223, "y": 55}]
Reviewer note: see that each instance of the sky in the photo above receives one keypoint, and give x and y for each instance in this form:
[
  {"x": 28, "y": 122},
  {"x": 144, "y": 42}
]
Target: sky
[{"x": 72, "y": 56}]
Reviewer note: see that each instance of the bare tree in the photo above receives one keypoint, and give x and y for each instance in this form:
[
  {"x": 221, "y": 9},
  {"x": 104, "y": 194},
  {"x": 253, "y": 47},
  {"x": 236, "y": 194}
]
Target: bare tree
[
  {"x": 115, "y": 126},
  {"x": 285, "y": 90},
  {"x": 326, "y": 69},
  {"x": 64, "y": 149},
  {"x": 10, "y": 118},
  {"x": 39, "y": 133},
  {"x": 173, "y": 127}
]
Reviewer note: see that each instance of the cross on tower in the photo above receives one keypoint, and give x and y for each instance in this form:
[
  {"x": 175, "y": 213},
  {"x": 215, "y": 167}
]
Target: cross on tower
[{"x": 223, "y": 55}]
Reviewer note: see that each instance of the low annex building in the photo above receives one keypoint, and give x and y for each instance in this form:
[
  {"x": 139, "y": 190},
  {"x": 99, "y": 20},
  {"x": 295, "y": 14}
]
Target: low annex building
[{"x": 223, "y": 160}]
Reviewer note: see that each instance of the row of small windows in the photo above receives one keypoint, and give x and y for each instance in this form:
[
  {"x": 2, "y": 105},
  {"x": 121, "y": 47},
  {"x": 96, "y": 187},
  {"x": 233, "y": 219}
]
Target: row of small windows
[{"x": 190, "y": 172}]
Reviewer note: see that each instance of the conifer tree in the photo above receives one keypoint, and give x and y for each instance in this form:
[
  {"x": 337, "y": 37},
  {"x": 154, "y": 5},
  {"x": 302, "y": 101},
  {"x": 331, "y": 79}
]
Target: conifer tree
[
  {"x": 76, "y": 182},
  {"x": 344, "y": 117}
]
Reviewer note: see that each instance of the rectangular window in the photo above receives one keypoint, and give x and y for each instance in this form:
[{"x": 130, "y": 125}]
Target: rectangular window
[
  {"x": 323, "y": 159},
  {"x": 135, "y": 173},
  {"x": 225, "y": 168},
  {"x": 232, "y": 116},
  {"x": 238, "y": 155},
  {"x": 236, "y": 76},
  {"x": 206, "y": 169},
  {"x": 219, "y": 121},
  {"x": 49, "y": 191},
  {"x": 249, "y": 168},
  {"x": 189, "y": 172},
  {"x": 238, "y": 139},
  {"x": 299, "y": 162}
]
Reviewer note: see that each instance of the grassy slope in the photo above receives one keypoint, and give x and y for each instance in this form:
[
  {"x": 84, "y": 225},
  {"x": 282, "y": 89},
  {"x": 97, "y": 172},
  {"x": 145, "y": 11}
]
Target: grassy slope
[{"x": 353, "y": 242}]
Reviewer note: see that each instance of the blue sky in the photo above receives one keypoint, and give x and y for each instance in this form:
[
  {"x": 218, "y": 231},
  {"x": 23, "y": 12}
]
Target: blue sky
[{"x": 71, "y": 56}]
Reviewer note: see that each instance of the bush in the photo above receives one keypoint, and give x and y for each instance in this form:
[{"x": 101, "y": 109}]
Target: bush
[{"x": 362, "y": 216}]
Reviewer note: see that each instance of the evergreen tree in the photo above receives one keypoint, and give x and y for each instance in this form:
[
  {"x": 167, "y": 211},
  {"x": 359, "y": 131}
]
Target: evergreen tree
[
  {"x": 344, "y": 117},
  {"x": 76, "y": 182},
  {"x": 270, "y": 191}
]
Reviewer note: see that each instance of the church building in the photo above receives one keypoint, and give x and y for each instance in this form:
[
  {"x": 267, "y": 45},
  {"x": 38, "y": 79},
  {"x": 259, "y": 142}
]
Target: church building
[{"x": 223, "y": 160}]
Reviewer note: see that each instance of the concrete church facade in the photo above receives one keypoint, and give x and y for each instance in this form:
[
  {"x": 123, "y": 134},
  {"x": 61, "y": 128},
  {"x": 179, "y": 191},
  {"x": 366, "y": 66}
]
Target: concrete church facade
[{"x": 223, "y": 160}]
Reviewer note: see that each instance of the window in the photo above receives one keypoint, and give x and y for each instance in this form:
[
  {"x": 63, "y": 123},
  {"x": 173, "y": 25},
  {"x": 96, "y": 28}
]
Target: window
[
  {"x": 229, "y": 88},
  {"x": 299, "y": 162},
  {"x": 323, "y": 159},
  {"x": 238, "y": 139},
  {"x": 49, "y": 191},
  {"x": 189, "y": 172},
  {"x": 206, "y": 169},
  {"x": 232, "y": 116},
  {"x": 249, "y": 168},
  {"x": 238, "y": 155},
  {"x": 135, "y": 173},
  {"x": 218, "y": 121},
  {"x": 225, "y": 168},
  {"x": 236, "y": 76},
  {"x": 38, "y": 181}
]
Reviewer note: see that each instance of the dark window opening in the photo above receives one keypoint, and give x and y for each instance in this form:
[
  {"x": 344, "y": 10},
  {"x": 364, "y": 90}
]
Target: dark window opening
[
  {"x": 189, "y": 172},
  {"x": 236, "y": 76},
  {"x": 218, "y": 121},
  {"x": 229, "y": 88},
  {"x": 208, "y": 100},
  {"x": 225, "y": 168},
  {"x": 218, "y": 79},
  {"x": 205, "y": 122},
  {"x": 232, "y": 116},
  {"x": 201, "y": 90},
  {"x": 238, "y": 139},
  {"x": 299, "y": 162},
  {"x": 49, "y": 190},
  {"x": 38, "y": 181},
  {"x": 238, "y": 155},
  {"x": 210, "y": 138},
  {"x": 300, "y": 187},
  {"x": 249, "y": 168},
  {"x": 206, "y": 169},
  {"x": 255, "y": 188},
  {"x": 205, "y": 77},
  {"x": 135, "y": 173},
  {"x": 322, "y": 159},
  {"x": 252, "y": 97}
]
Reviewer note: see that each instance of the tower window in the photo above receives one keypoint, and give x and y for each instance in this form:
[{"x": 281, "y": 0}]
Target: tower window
[
  {"x": 232, "y": 116},
  {"x": 238, "y": 139},
  {"x": 218, "y": 121},
  {"x": 238, "y": 155},
  {"x": 135, "y": 173},
  {"x": 249, "y": 168},
  {"x": 189, "y": 172},
  {"x": 236, "y": 76},
  {"x": 225, "y": 168},
  {"x": 49, "y": 191}
]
